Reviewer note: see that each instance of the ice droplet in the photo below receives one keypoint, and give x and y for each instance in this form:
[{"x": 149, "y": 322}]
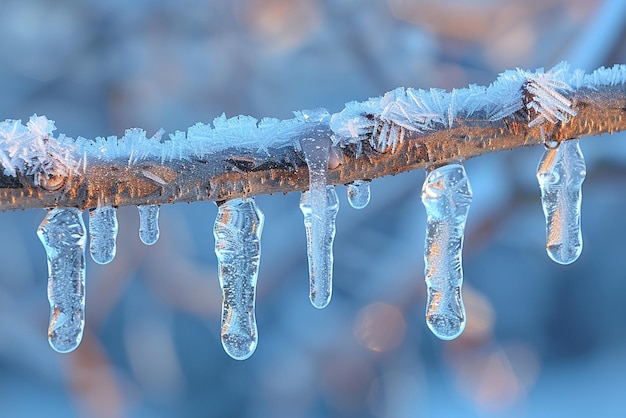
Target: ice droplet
[
  {"x": 102, "y": 234},
  {"x": 359, "y": 193},
  {"x": 237, "y": 232},
  {"x": 148, "y": 223},
  {"x": 62, "y": 234},
  {"x": 447, "y": 195},
  {"x": 319, "y": 221},
  {"x": 561, "y": 173}
]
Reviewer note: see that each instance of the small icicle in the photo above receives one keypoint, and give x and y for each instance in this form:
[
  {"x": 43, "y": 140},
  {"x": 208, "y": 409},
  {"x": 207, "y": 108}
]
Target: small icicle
[
  {"x": 319, "y": 206},
  {"x": 62, "y": 234},
  {"x": 447, "y": 195},
  {"x": 102, "y": 234},
  {"x": 237, "y": 232},
  {"x": 359, "y": 193},
  {"x": 561, "y": 173},
  {"x": 319, "y": 222},
  {"x": 148, "y": 223}
]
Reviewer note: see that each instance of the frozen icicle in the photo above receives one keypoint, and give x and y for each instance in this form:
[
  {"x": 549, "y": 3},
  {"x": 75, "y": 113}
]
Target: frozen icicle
[
  {"x": 148, "y": 223},
  {"x": 319, "y": 220},
  {"x": 319, "y": 206},
  {"x": 447, "y": 195},
  {"x": 102, "y": 234},
  {"x": 237, "y": 234},
  {"x": 359, "y": 193},
  {"x": 62, "y": 234},
  {"x": 561, "y": 173}
]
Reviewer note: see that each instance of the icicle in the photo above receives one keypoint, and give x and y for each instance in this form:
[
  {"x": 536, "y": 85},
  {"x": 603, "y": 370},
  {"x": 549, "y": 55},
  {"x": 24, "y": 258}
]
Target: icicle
[
  {"x": 561, "y": 173},
  {"x": 148, "y": 223},
  {"x": 359, "y": 193},
  {"x": 102, "y": 234},
  {"x": 319, "y": 221},
  {"x": 237, "y": 232},
  {"x": 62, "y": 234},
  {"x": 319, "y": 206},
  {"x": 447, "y": 195}
]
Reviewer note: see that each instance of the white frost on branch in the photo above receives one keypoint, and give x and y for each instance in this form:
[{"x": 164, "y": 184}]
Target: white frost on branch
[
  {"x": 383, "y": 120},
  {"x": 31, "y": 149}
]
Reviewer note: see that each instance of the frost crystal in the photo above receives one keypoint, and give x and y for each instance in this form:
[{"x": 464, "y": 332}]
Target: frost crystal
[
  {"x": 102, "y": 234},
  {"x": 237, "y": 232},
  {"x": 62, "y": 234},
  {"x": 561, "y": 173},
  {"x": 148, "y": 224},
  {"x": 447, "y": 195},
  {"x": 359, "y": 193}
]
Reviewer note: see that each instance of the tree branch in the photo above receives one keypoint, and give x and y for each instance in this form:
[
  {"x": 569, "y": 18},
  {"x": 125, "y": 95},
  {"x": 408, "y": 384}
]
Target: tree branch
[{"x": 242, "y": 171}]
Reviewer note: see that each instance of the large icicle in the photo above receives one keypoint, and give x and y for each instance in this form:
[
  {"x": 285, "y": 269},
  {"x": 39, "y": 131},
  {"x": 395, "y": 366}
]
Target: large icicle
[
  {"x": 62, "y": 234},
  {"x": 102, "y": 234},
  {"x": 148, "y": 224},
  {"x": 561, "y": 173},
  {"x": 237, "y": 232},
  {"x": 359, "y": 193},
  {"x": 319, "y": 221},
  {"x": 447, "y": 195}
]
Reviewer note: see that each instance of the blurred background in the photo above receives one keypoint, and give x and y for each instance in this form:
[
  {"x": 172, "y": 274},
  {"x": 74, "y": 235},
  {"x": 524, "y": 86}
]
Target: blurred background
[{"x": 542, "y": 340}]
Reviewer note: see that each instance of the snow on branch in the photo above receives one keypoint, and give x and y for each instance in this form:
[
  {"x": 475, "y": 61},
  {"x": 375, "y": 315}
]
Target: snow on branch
[{"x": 403, "y": 130}]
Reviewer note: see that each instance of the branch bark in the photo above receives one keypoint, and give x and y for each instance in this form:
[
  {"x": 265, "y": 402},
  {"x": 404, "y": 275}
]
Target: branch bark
[{"x": 241, "y": 172}]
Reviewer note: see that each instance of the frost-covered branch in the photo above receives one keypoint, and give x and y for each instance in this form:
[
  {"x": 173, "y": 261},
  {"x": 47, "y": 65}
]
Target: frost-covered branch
[{"x": 403, "y": 130}]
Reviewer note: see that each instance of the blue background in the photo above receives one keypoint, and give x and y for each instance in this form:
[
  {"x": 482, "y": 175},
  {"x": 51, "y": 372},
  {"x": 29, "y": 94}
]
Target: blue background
[{"x": 542, "y": 340}]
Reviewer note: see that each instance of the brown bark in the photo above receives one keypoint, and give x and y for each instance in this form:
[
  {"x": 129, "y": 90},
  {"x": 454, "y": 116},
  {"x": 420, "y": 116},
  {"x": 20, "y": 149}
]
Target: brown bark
[{"x": 241, "y": 172}]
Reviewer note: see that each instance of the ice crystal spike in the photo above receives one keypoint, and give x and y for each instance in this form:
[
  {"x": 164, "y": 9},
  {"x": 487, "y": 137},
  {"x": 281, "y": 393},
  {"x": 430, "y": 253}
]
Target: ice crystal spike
[
  {"x": 149, "y": 224},
  {"x": 447, "y": 195},
  {"x": 319, "y": 222},
  {"x": 359, "y": 193},
  {"x": 237, "y": 232},
  {"x": 102, "y": 234},
  {"x": 62, "y": 234},
  {"x": 561, "y": 173}
]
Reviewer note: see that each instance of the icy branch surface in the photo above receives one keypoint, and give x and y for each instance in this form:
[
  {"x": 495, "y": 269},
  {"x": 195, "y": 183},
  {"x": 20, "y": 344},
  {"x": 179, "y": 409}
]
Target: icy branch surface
[
  {"x": 446, "y": 195},
  {"x": 62, "y": 234},
  {"x": 561, "y": 173},
  {"x": 237, "y": 232},
  {"x": 103, "y": 234}
]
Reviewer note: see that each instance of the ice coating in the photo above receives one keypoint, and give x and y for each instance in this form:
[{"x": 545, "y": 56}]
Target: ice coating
[
  {"x": 359, "y": 193},
  {"x": 561, "y": 173},
  {"x": 447, "y": 196},
  {"x": 148, "y": 223},
  {"x": 237, "y": 232},
  {"x": 62, "y": 234},
  {"x": 103, "y": 234},
  {"x": 319, "y": 222}
]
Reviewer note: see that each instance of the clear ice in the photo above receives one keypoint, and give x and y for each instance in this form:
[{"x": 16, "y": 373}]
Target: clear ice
[
  {"x": 319, "y": 222},
  {"x": 319, "y": 205},
  {"x": 447, "y": 196},
  {"x": 62, "y": 234},
  {"x": 102, "y": 234},
  {"x": 237, "y": 232},
  {"x": 148, "y": 223},
  {"x": 359, "y": 193},
  {"x": 561, "y": 173}
]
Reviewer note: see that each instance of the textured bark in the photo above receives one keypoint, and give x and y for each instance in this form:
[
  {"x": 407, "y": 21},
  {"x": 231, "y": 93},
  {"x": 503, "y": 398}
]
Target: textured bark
[{"x": 244, "y": 172}]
